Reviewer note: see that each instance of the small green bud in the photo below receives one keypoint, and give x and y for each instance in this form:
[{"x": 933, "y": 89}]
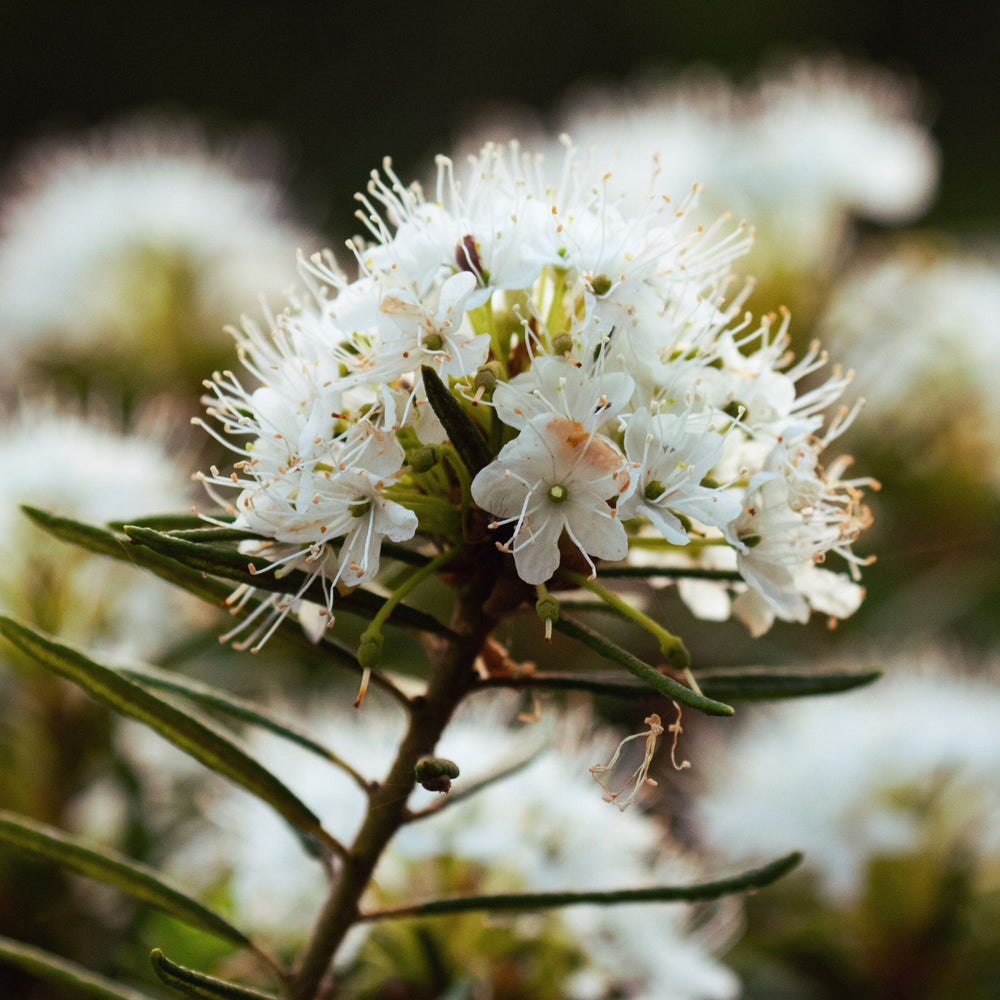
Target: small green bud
[
  {"x": 370, "y": 649},
  {"x": 563, "y": 344},
  {"x": 600, "y": 285},
  {"x": 424, "y": 458},
  {"x": 751, "y": 541},
  {"x": 432, "y": 342},
  {"x": 558, "y": 493},
  {"x": 487, "y": 376},
  {"x": 654, "y": 490},
  {"x": 341, "y": 426},
  {"x": 435, "y": 773},
  {"x": 734, "y": 409},
  {"x": 360, "y": 508}
]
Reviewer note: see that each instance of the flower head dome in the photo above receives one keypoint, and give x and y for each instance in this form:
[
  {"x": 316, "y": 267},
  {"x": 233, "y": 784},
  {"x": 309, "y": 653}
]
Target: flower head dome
[{"x": 137, "y": 241}]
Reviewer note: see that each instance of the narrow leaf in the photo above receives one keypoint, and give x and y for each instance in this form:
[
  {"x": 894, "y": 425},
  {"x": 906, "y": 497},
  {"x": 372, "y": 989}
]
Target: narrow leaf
[
  {"x": 171, "y": 522},
  {"x": 115, "y": 869},
  {"x": 238, "y": 708},
  {"x": 729, "y": 685},
  {"x": 55, "y": 969},
  {"x": 678, "y": 572},
  {"x": 196, "y": 738},
  {"x": 119, "y": 547},
  {"x": 756, "y": 878},
  {"x": 775, "y": 685},
  {"x": 666, "y": 686},
  {"x": 235, "y": 566},
  {"x": 463, "y": 433},
  {"x": 197, "y": 984}
]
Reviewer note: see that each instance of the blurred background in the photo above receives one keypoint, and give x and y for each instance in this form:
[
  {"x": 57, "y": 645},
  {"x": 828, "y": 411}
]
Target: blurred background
[{"x": 159, "y": 167}]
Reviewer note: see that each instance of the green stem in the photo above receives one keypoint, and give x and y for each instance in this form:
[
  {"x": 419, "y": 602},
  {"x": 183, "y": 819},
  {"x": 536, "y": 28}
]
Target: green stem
[
  {"x": 671, "y": 646},
  {"x": 450, "y": 680},
  {"x": 408, "y": 585}
]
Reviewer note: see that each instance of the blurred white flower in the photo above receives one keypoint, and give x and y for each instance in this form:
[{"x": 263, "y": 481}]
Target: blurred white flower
[
  {"x": 920, "y": 329},
  {"x": 136, "y": 235},
  {"x": 911, "y": 762},
  {"x": 84, "y": 470},
  {"x": 799, "y": 151},
  {"x": 543, "y": 828}
]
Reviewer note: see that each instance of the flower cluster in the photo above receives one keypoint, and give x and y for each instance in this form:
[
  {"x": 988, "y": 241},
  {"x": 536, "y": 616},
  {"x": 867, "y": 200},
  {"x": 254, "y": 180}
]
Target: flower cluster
[{"x": 620, "y": 399}]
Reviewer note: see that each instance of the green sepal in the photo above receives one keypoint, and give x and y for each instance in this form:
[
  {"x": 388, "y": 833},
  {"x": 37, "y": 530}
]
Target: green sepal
[
  {"x": 468, "y": 440},
  {"x": 197, "y": 984},
  {"x": 112, "y": 868},
  {"x": 193, "y": 736},
  {"x": 59, "y": 970},
  {"x": 660, "y": 683}
]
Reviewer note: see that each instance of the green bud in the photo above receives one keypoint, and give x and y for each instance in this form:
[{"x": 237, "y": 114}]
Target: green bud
[
  {"x": 487, "y": 376},
  {"x": 558, "y": 493},
  {"x": 751, "y": 541},
  {"x": 435, "y": 773},
  {"x": 370, "y": 650},
  {"x": 600, "y": 285},
  {"x": 733, "y": 409},
  {"x": 424, "y": 458},
  {"x": 547, "y": 608},
  {"x": 432, "y": 342},
  {"x": 563, "y": 344},
  {"x": 360, "y": 508}
]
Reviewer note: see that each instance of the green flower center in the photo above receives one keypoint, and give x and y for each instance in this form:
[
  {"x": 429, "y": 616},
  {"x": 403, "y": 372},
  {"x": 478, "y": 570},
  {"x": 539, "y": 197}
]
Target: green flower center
[{"x": 558, "y": 493}]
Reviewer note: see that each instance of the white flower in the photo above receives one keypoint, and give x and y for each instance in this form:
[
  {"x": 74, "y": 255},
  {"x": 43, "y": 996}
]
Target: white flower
[
  {"x": 668, "y": 461},
  {"x": 135, "y": 236},
  {"x": 556, "y": 385},
  {"x": 843, "y": 777},
  {"x": 555, "y": 476}
]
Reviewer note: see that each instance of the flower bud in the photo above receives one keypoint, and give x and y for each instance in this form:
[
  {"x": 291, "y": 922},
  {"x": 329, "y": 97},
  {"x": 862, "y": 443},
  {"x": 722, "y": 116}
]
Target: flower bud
[
  {"x": 424, "y": 459},
  {"x": 435, "y": 773},
  {"x": 547, "y": 608},
  {"x": 563, "y": 344},
  {"x": 370, "y": 649},
  {"x": 487, "y": 376}
]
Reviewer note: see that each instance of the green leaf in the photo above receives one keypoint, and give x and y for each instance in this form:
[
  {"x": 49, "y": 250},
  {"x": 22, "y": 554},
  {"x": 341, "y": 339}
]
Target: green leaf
[
  {"x": 165, "y": 680},
  {"x": 61, "y": 971},
  {"x": 171, "y": 522},
  {"x": 197, "y": 984},
  {"x": 196, "y": 738},
  {"x": 749, "y": 684},
  {"x": 119, "y": 547},
  {"x": 115, "y": 869},
  {"x": 756, "y": 878},
  {"x": 666, "y": 686},
  {"x": 678, "y": 572},
  {"x": 737, "y": 684},
  {"x": 235, "y": 566},
  {"x": 463, "y": 433},
  {"x": 116, "y": 546}
]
